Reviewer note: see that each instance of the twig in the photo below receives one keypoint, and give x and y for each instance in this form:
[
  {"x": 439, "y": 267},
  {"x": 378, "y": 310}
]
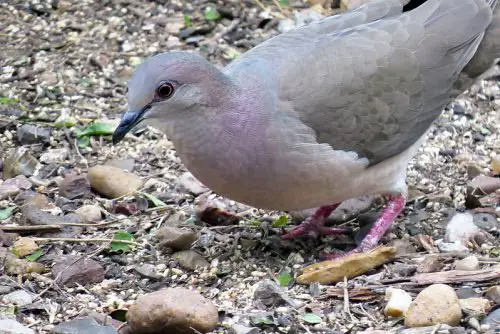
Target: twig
[
  {"x": 264, "y": 8},
  {"x": 32, "y": 228},
  {"x": 90, "y": 240}
]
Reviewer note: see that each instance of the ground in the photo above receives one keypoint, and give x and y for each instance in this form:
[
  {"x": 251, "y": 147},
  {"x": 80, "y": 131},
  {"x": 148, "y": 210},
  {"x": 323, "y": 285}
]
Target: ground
[{"x": 64, "y": 65}]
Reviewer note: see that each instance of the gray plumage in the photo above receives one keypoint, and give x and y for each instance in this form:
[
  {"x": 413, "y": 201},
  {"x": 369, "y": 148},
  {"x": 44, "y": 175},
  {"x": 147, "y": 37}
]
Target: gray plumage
[{"x": 326, "y": 112}]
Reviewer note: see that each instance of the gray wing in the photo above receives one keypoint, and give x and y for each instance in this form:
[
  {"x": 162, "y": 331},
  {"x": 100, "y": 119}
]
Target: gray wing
[{"x": 373, "y": 80}]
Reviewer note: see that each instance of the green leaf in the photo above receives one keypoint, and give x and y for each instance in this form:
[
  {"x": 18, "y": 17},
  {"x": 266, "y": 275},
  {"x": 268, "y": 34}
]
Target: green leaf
[
  {"x": 7, "y": 100},
  {"x": 285, "y": 278},
  {"x": 97, "y": 129},
  {"x": 35, "y": 256},
  {"x": 118, "y": 246},
  {"x": 211, "y": 14},
  {"x": 231, "y": 53},
  {"x": 187, "y": 21},
  {"x": 282, "y": 221},
  {"x": 7, "y": 212},
  {"x": 262, "y": 320},
  {"x": 156, "y": 202},
  {"x": 190, "y": 221},
  {"x": 83, "y": 142},
  {"x": 285, "y": 2},
  {"x": 311, "y": 318}
]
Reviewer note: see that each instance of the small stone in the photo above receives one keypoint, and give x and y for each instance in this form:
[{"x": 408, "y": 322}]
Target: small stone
[
  {"x": 147, "y": 270},
  {"x": 20, "y": 162},
  {"x": 475, "y": 307},
  {"x": 190, "y": 259},
  {"x": 398, "y": 302},
  {"x": 77, "y": 269},
  {"x": 190, "y": 184},
  {"x": 125, "y": 164},
  {"x": 24, "y": 246},
  {"x": 461, "y": 228},
  {"x": 493, "y": 321},
  {"x": 176, "y": 238},
  {"x": 90, "y": 213},
  {"x": 270, "y": 294},
  {"x": 488, "y": 184},
  {"x": 113, "y": 182},
  {"x": 13, "y": 186},
  {"x": 10, "y": 326},
  {"x": 436, "y": 304},
  {"x": 54, "y": 156},
  {"x": 19, "y": 298},
  {"x": 176, "y": 219},
  {"x": 74, "y": 186},
  {"x": 493, "y": 294},
  {"x": 83, "y": 326},
  {"x": 172, "y": 310},
  {"x": 469, "y": 263},
  {"x": 33, "y": 134}
]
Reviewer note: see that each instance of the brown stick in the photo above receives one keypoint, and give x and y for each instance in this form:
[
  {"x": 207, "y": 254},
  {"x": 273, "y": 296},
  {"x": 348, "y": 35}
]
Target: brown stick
[
  {"x": 456, "y": 276},
  {"x": 30, "y": 228}
]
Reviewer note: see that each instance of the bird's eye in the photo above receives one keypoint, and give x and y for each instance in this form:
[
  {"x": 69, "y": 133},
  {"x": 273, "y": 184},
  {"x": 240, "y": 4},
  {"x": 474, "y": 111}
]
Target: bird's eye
[{"x": 164, "y": 90}]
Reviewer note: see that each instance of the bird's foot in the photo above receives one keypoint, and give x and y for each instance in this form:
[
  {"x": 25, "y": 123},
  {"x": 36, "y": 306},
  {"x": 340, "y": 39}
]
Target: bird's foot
[
  {"x": 393, "y": 208},
  {"x": 314, "y": 225}
]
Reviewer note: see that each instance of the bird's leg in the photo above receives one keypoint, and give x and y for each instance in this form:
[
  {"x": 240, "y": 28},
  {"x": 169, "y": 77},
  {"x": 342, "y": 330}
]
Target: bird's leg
[
  {"x": 393, "y": 208},
  {"x": 315, "y": 224}
]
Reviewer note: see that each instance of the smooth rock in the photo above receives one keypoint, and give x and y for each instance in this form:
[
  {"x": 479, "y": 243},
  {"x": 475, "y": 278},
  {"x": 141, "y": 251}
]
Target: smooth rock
[
  {"x": 190, "y": 259},
  {"x": 10, "y": 326},
  {"x": 190, "y": 184},
  {"x": 113, "y": 182},
  {"x": 33, "y": 134},
  {"x": 74, "y": 186},
  {"x": 147, "y": 270},
  {"x": 436, "y": 304},
  {"x": 90, "y": 213},
  {"x": 125, "y": 164},
  {"x": 398, "y": 302},
  {"x": 176, "y": 238},
  {"x": 35, "y": 216},
  {"x": 270, "y": 294},
  {"x": 77, "y": 269},
  {"x": 469, "y": 263},
  {"x": 18, "y": 297},
  {"x": 83, "y": 326},
  {"x": 461, "y": 228},
  {"x": 488, "y": 184},
  {"x": 54, "y": 156},
  {"x": 13, "y": 186},
  {"x": 493, "y": 294},
  {"x": 19, "y": 162},
  {"x": 475, "y": 307},
  {"x": 172, "y": 310}
]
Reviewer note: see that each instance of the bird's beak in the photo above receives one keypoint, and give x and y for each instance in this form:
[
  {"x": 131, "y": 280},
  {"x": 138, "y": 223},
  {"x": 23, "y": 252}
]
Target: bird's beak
[{"x": 127, "y": 122}]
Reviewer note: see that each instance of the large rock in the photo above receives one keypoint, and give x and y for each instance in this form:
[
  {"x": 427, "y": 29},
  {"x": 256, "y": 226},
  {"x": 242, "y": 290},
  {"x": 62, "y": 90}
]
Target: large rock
[
  {"x": 436, "y": 304},
  {"x": 172, "y": 310},
  {"x": 10, "y": 326},
  {"x": 113, "y": 182},
  {"x": 74, "y": 186},
  {"x": 77, "y": 269}
]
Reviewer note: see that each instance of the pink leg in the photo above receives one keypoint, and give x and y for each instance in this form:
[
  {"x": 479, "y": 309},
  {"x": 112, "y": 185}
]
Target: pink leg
[
  {"x": 314, "y": 225},
  {"x": 394, "y": 207}
]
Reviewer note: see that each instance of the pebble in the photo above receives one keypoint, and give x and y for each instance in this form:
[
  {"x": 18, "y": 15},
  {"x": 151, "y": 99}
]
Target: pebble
[
  {"x": 147, "y": 270},
  {"x": 436, "y": 304},
  {"x": 430, "y": 264},
  {"x": 190, "y": 259},
  {"x": 176, "y": 238},
  {"x": 54, "y": 156},
  {"x": 190, "y": 184},
  {"x": 19, "y": 298},
  {"x": 13, "y": 186},
  {"x": 493, "y": 294},
  {"x": 24, "y": 246},
  {"x": 172, "y": 310},
  {"x": 77, "y": 269},
  {"x": 10, "y": 326},
  {"x": 270, "y": 294},
  {"x": 83, "y": 326},
  {"x": 488, "y": 184},
  {"x": 33, "y": 134},
  {"x": 475, "y": 307},
  {"x": 398, "y": 302},
  {"x": 74, "y": 186},
  {"x": 90, "y": 213},
  {"x": 469, "y": 263},
  {"x": 113, "y": 182}
]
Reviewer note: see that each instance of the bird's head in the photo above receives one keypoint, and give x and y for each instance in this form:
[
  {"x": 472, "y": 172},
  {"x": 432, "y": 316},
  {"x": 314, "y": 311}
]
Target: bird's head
[{"x": 172, "y": 86}]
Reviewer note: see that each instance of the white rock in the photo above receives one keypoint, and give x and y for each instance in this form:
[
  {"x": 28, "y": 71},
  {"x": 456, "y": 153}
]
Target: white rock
[
  {"x": 469, "y": 263},
  {"x": 18, "y": 297},
  {"x": 461, "y": 228},
  {"x": 398, "y": 302}
]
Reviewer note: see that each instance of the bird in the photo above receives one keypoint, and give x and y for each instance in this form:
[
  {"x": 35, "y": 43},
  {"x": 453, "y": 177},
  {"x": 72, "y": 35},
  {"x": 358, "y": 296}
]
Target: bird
[{"x": 326, "y": 112}]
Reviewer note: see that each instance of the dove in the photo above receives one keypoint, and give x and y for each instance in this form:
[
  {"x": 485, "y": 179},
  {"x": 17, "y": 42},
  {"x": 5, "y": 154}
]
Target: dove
[{"x": 329, "y": 111}]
